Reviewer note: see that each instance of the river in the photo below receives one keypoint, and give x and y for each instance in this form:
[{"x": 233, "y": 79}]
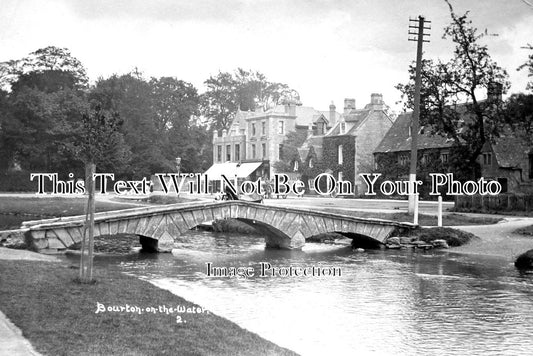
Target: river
[{"x": 386, "y": 302}]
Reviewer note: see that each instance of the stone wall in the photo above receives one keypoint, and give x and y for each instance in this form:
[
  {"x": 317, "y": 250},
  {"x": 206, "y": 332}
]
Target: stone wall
[{"x": 495, "y": 203}]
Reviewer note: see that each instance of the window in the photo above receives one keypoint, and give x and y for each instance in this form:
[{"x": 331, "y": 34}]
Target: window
[
  {"x": 295, "y": 167},
  {"x": 253, "y": 151},
  {"x": 487, "y": 159},
  {"x": 219, "y": 153},
  {"x": 237, "y": 154},
  {"x": 263, "y": 128},
  {"x": 403, "y": 159},
  {"x": 280, "y": 151},
  {"x": 228, "y": 153},
  {"x": 264, "y": 148},
  {"x": 339, "y": 154},
  {"x": 410, "y": 131},
  {"x": 281, "y": 127},
  {"x": 321, "y": 128},
  {"x": 343, "y": 128},
  {"x": 253, "y": 128},
  {"x": 444, "y": 157},
  {"x": 311, "y": 163}
]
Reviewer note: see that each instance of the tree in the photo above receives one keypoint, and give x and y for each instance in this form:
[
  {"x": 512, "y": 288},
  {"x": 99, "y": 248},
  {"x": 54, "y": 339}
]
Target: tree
[
  {"x": 293, "y": 140},
  {"x": 44, "y": 60},
  {"x": 244, "y": 90},
  {"x": 529, "y": 66},
  {"x": 450, "y": 96},
  {"x": 45, "y": 109},
  {"x": 102, "y": 136}
]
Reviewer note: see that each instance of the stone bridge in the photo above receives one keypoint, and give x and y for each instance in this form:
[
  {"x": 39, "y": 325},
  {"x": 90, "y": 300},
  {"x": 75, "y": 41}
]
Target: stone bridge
[{"x": 158, "y": 226}]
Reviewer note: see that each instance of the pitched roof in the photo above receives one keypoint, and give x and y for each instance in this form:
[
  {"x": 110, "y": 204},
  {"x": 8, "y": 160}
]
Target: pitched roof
[
  {"x": 398, "y": 139},
  {"x": 510, "y": 150}
]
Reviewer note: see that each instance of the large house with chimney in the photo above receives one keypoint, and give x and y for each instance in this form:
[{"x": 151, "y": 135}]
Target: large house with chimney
[
  {"x": 347, "y": 149},
  {"x": 254, "y": 140},
  {"x": 507, "y": 158}
]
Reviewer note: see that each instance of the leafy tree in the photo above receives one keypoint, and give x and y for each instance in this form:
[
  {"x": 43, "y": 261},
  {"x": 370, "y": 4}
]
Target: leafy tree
[
  {"x": 293, "y": 140},
  {"x": 45, "y": 110},
  {"x": 519, "y": 115},
  {"x": 529, "y": 66},
  {"x": 131, "y": 97},
  {"x": 450, "y": 98},
  {"x": 48, "y": 59},
  {"x": 101, "y": 138},
  {"x": 244, "y": 90}
]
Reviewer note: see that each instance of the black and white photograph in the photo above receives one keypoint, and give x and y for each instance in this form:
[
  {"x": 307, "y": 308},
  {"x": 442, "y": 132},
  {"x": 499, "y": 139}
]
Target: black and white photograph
[{"x": 266, "y": 177}]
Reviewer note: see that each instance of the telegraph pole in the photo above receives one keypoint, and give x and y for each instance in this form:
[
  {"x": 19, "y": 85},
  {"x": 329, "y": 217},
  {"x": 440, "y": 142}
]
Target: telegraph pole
[{"x": 419, "y": 25}]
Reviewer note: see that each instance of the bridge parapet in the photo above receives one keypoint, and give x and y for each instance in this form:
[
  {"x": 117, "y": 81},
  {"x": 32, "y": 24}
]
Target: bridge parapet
[{"x": 283, "y": 227}]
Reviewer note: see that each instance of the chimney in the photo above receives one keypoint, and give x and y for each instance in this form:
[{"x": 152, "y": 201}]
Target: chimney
[
  {"x": 349, "y": 105},
  {"x": 290, "y": 108},
  {"x": 376, "y": 99},
  {"x": 332, "y": 114},
  {"x": 494, "y": 92}
]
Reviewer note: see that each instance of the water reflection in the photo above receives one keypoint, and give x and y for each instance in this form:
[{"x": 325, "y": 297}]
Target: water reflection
[{"x": 385, "y": 302}]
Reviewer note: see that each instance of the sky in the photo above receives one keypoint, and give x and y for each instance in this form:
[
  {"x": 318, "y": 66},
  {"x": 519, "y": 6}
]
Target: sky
[{"x": 327, "y": 50}]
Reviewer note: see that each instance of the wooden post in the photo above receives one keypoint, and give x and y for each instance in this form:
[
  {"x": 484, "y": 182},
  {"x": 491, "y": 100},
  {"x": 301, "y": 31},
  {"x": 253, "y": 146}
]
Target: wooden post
[
  {"x": 87, "y": 250},
  {"x": 440, "y": 211}
]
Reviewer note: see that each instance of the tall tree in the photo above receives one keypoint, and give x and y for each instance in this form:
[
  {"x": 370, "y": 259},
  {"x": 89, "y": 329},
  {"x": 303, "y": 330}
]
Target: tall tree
[
  {"x": 44, "y": 60},
  {"x": 451, "y": 102},
  {"x": 243, "y": 90},
  {"x": 528, "y": 65},
  {"x": 45, "y": 109},
  {"x": 101, "y": 138}
]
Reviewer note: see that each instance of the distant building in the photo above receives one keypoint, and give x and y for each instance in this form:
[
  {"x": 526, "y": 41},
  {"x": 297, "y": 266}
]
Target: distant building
[
  {"x": 347, "y": 149},
  {"x": 507, "y": 159},
  {"x": 254, "y": 141}
]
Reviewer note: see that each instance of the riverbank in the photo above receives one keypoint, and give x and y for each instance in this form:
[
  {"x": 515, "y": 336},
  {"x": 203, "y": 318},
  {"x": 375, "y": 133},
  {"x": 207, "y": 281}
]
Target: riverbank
[{"x": 58, "y": 315}]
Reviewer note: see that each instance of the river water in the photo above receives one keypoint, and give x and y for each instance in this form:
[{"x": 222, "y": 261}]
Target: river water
[{"x": 386, "y": 302}]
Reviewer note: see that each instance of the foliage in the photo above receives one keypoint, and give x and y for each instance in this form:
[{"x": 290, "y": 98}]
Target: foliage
[
  {"x": 519, "y": 115},
  {"x": 45, "y": 109},
  {"x": 454, "y": 237},
  {"x": 243, "y": 90},
  {"x": 529, "y": 66},
  {"x": 293, "y": 140},
  {"x": 48, "y": 59},
  {"x": 445, "y": 85}
]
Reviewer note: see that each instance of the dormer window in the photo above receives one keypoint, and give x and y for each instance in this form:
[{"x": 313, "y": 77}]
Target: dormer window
[{"x": 343, "y": 128}]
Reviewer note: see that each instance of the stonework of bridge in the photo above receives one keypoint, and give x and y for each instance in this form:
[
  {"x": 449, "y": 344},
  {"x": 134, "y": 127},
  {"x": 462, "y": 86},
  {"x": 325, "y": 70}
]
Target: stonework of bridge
[{"x": 157, "y": 227}]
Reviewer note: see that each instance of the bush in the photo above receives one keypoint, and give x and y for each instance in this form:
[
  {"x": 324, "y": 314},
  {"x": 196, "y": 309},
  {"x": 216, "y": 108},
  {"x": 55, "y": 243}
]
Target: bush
[{"x": 453, "y": 237}]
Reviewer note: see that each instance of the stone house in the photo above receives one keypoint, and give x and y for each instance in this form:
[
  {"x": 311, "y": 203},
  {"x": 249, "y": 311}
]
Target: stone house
[
  {"x": 254, "y": 141},
  {"x": 347, "y": 149},
  {"x": 507, "y": 159}
]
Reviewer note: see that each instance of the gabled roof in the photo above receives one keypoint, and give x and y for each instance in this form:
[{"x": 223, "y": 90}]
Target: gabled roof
[
  {"x": 314, "y": 142},
  {"x": 398, "y": 139},
  {"x": 511, "y": 151}
]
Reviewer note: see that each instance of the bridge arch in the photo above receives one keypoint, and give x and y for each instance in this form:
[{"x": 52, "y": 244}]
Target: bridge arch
[{"x": 283, "y": 227}]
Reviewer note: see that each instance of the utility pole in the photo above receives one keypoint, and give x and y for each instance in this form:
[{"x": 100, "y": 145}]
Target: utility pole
[{"x": 419, "y": 25}]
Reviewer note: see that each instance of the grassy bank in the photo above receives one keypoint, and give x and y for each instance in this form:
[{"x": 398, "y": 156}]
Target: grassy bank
[
  {"x": 450, "y": 219},
  {"x": 528, "y": 230},
  {"x": 58, "y": 316},
  {"x": 54, "y": 206}
]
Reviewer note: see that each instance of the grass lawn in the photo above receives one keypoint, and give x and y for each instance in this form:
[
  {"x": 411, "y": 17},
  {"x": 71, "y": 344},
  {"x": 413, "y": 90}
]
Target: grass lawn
[
  {"x": 450, "y": 219},
  {"x": 58, "y": 316},
  {"x": 53, "y": 206}
]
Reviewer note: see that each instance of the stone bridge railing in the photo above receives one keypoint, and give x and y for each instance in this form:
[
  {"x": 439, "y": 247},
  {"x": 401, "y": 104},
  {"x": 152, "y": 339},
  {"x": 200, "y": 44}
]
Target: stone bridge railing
[{"x": 282, "y": 227}]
